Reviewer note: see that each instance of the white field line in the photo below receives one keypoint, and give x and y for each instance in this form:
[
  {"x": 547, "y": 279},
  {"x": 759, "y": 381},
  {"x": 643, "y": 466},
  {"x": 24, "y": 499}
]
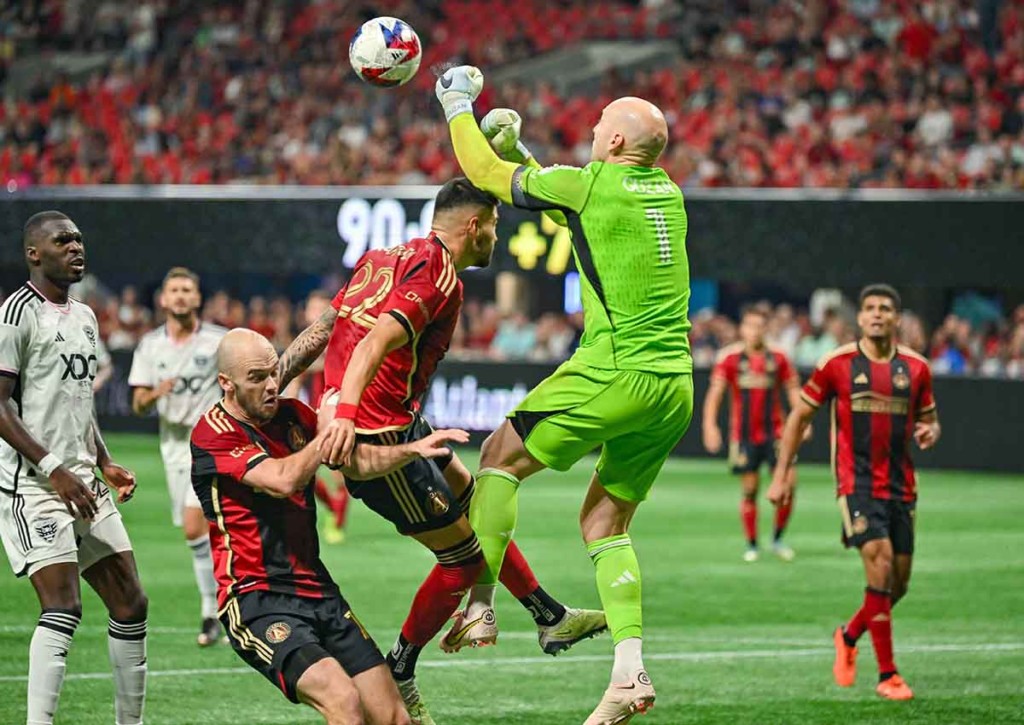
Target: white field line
[{"x": 991, "y": 648}]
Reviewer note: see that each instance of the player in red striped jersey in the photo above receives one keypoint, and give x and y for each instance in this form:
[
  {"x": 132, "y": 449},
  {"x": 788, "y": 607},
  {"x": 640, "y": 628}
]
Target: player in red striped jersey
[
  {"x": 757, "y": 376},
  {"x": 393, "y": 325},
  {"x": 253, "y": 460},
  {"x": 881, "y": 396}
]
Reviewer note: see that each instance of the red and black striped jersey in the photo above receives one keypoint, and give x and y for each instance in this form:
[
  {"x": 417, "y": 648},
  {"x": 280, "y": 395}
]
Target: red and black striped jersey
[
  {"x": 757, "y": 382},
  {"x": 874, "y": 408},
  {"x": 259, "y": 542},
  {"x": 415, "y": 283}
]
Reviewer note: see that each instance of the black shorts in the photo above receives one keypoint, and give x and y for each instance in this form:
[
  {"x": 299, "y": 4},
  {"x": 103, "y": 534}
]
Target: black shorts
[
  {"x": 866, "y": 518},
  {"x": 415, "y": 498},
  {"x": 747, "y": 457},
  {"x": 268, "y": 629}
]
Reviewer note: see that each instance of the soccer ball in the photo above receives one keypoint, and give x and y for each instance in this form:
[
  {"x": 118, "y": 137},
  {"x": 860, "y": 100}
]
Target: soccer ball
[{"x": 385, "y": 52}]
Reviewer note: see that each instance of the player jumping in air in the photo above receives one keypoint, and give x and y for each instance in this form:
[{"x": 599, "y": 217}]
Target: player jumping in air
[
  {"x": 57, "y": 520},
  {"x": 756, "y": 375},
  {"x": 389, "y": 328},
  {"x": 175, "y": 369},
  {"x": 882, "y": 399},
  {"x": 628, "y": 389},
  {"x": 253, "y": 460}
]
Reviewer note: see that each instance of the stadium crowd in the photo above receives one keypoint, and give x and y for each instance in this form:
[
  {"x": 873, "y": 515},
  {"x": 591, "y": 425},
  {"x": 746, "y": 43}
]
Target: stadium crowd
[
  {"x": 825, "y": 93},
  {"x": 977, "y": 339}
]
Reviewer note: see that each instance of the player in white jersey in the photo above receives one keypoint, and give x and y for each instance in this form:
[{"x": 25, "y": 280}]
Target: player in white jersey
[
  {"x": 175, "y": 369},
  {"x": 56, "y": 518}
]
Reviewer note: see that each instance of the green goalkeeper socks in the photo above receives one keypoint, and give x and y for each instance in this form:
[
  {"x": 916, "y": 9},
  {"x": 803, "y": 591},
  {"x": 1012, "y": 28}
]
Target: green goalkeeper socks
[
  {"x": 618, "y": 583},
  {"x": 492, "y": 514}
]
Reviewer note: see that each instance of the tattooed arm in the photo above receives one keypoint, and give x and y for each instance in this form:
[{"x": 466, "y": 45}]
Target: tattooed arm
[{"x": 306, "y": 348}]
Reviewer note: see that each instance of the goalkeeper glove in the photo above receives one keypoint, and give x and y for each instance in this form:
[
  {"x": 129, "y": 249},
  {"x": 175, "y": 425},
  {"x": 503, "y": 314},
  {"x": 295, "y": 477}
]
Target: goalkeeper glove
[
  {"x": 502, "y": 127},
  {"x": 457, "y": 88}
]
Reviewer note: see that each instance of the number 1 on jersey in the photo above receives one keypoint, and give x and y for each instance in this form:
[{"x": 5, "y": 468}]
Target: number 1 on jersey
[{"x": 661, "y": 231}]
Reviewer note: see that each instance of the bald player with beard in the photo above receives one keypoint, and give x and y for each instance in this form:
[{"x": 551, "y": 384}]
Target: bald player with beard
[
  {"x": 628, "y": 389},
  {"x": 254, "y": 456}
]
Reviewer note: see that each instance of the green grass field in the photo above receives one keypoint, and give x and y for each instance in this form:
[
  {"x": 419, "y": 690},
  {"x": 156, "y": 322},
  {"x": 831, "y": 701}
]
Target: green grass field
[{"x": 726, "y": 642}]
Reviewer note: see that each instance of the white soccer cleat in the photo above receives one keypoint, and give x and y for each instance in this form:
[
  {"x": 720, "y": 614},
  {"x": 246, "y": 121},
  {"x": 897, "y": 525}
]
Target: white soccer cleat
[
  {"x": 474, "y": 627},
  {"x": 621, "y": 702},
  {"x": 576, "y": 626},
  {"x": 414, "y": 705},
  {"x": 751, "y": 555},
  {"x": 783, "y": 552}
]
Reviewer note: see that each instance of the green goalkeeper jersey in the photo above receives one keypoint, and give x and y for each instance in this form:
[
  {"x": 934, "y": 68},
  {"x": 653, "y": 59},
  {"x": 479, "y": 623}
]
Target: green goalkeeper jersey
[{"x": 628, "y": 229}]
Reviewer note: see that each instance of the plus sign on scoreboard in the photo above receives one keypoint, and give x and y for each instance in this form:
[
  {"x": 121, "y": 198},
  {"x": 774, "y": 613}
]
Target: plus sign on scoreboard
[{"x": 546, "y": 247}]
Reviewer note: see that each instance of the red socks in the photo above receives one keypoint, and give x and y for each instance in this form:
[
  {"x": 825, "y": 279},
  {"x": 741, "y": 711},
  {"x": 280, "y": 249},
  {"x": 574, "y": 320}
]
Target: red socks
[
  {"x": 748, "y": 512},
  {"x": 516, "y": 575},
  {"x": 782, "y": 514},
  {"x": 876, "y": 617},
  {"x": 438, "y": 597}
]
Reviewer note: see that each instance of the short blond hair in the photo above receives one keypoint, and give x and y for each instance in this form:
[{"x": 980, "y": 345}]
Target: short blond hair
[{"x": 179, "y": 273}]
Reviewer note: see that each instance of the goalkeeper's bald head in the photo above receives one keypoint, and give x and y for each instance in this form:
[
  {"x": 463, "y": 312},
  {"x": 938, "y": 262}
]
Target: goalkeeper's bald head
[{"x": 631, "y": 131}]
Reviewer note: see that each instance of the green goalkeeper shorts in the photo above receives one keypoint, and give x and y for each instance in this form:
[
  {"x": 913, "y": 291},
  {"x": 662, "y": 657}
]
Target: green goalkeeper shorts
[{"x": 636, "y": 418}]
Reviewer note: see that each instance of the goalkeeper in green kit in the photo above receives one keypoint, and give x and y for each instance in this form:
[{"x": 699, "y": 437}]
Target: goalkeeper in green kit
[{"x": 628, "y": 389}]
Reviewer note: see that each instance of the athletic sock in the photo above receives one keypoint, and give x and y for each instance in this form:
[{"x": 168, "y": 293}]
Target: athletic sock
[
  {"x": 748, "y": 513},
  {"x": 126, "y": 643},
  {"x": 339, "y": 506},
  {"x": 782, "y": 514},
  {"x": 435, "y": 602},
  {"x": 878, "y": 615},
  {"x": 628, "y": 660},
  {"x": 858, "y": 623},
  {"x": 617, "y": 572},
  {"x": 492, "y": 515},
  {"x": 202, "y": 566},
  {"x": 518, "y": 578},
  {"x": 322, "y": 493},
  {"x": 47, "y": 662}
]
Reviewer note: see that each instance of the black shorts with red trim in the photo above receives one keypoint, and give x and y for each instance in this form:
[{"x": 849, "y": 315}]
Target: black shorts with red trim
[
  {"x": 748, "y": 457},
  {"x": 282, "y": 635},
  {"x": 866, "y": 518},
  {"x": 416, "y": 498}
]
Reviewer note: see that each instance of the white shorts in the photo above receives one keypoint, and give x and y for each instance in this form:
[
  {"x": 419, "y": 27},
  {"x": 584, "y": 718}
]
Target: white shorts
[
  {"x": 38, "y": 531},
  {"x": 183, "y": 496}
]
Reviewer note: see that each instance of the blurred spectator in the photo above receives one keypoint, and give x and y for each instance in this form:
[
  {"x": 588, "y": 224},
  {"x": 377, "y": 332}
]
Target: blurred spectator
[{"x": 516, "y": 338}]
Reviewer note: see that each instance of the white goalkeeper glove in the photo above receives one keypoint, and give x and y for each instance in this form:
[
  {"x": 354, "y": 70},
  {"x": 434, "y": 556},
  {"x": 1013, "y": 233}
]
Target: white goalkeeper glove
[
  {"x": 502, "y": 127},
  {"x": 457, "y": 88}
]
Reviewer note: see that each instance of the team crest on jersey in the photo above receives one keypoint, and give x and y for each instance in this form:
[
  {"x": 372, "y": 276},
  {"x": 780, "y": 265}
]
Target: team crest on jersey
[
  {"x": 438, "y": 503},
  {"x": 278, "y": 632},
  {"x": 901, "y": 381},
  {"x": 46, "y": 529},
  {"x": 90, "y": 333},
  {"x": 296, "y": 438},
  {"x": 201, "y": 361},
  {"x": 860, "y": 524}
]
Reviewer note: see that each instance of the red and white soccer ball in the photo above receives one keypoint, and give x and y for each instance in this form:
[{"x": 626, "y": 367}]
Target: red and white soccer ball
[{"x": 385, "y": 52}]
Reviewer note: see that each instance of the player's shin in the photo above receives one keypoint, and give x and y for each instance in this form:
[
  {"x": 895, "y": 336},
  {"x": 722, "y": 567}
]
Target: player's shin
[
  {"x": 202, "y": 567},
  {"x": 492, "y": 515},
  {"x": 126, "y": 643},
  {"x": 47, "y": 662},
  {"x": 437, "y": 599},
  {"x": 618, "y": 583}
]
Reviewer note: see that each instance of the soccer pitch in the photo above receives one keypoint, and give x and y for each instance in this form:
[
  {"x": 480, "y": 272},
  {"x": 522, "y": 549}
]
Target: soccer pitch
[{"x": 725, "y": 641}]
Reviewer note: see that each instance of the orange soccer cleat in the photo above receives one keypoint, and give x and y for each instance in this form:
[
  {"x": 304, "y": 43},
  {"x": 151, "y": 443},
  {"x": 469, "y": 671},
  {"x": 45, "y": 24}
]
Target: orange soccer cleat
[
  {"x": 844, "y": 670},
  {"x": 894, "y": 689}
]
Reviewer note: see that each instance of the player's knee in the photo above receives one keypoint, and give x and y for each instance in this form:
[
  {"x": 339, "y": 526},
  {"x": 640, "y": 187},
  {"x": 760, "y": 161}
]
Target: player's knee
[
  {"x": 397, "y": 716},
  {"x": 134, "y": 607},
  {"x": 899, "y": 590}
]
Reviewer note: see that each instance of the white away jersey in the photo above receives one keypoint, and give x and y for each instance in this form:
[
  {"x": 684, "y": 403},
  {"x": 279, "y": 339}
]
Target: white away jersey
[
  {"x": 193, "y": 365},
  {"x": 50, "y": 350}
]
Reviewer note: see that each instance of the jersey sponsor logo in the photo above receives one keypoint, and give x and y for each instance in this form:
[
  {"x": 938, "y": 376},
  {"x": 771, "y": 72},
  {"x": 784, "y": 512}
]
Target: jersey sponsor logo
[
  {"x": 193, "y": 384},
  {"x": 46, "y": 529},
  {"x": 439, "y": 503},
  {"x": 296, "y": 438},
  {"x": 78, "y": 366},
  {"x": 278, "y": 632},
  {"x": 201, "y": 361},
  {"x": 872, "y": 402},
  {"x": 651, "y": 188},
  {"x": 755, "y": 381}
]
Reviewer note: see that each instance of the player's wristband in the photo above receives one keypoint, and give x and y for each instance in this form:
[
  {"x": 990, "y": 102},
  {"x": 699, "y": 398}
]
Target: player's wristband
[
  {"x": 457, "y": 108},
  {"x": 48, "y": 464},
  {"x": 346, "y": 411}
]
